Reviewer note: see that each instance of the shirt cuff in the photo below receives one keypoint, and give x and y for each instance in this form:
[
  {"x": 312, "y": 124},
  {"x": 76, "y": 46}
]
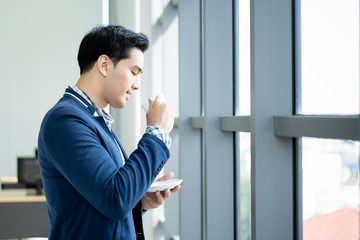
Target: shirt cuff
[{"x": 159, "y": 132}]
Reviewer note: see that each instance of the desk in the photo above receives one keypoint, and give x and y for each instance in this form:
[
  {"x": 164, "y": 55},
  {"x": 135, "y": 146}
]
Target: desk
[{"x": 22, "y": 214}]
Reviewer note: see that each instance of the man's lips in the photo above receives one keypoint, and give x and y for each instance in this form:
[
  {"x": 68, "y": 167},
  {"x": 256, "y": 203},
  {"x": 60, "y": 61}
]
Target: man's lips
[{"x": 128, "y": 94}]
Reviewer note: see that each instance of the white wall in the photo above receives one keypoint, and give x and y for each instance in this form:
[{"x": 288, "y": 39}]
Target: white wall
[{"x": 38, "y": 50}]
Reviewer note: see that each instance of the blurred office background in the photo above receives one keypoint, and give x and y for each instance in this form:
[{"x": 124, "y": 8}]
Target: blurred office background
[{"x": 266, "y": 98}]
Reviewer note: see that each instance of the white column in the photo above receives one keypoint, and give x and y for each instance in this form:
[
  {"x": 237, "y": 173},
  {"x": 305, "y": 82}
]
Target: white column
[{"x": 127, "y": 120}]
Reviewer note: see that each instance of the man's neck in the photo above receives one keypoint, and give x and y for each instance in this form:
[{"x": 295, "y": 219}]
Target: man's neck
[{"x": 92, "y": 87}]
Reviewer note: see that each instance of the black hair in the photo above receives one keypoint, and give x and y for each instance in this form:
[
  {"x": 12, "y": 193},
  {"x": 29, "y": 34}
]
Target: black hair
[{"x": 112, "y": 40}]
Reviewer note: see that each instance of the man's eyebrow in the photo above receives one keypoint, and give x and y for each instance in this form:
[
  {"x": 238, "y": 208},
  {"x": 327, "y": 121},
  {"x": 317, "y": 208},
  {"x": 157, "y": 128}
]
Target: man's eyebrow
[{"x": 138, "y": 68}]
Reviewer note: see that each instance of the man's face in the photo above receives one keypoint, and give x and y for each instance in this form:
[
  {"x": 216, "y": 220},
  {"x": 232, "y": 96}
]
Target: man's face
[{"x": 124, "y": 79}]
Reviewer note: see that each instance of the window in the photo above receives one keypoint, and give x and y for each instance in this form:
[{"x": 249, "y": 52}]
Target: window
[
  {"x": 242, "y": 108},
  {"x": 245, "y": 187},
  {"x": 329, "y": 85},
  {"x": 295, "y": 74},
  {"x": 330, "y": 189},
  {"x": 164, "y": 56},
  {"x": 244, "y": 57},
  {"x": 329, "y": 57}
]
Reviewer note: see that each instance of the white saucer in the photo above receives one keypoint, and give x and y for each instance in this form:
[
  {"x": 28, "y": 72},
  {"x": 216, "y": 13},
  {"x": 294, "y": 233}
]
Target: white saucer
[{"x": 162, "y": 185}]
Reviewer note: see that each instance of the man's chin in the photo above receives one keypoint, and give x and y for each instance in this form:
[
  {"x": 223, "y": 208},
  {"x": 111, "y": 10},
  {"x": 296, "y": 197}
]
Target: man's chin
[{"x": 118, "y": 106}]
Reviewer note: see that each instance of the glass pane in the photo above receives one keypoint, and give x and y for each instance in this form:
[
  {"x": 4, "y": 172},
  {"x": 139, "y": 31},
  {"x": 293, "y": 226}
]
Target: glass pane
[
  {"x": 244, "y": 154},
  {"x": 245, "y": 187},
  {"x": 330, "y": 56},
  {"x": 244, "y": 57},
  {"x": 164, "y": 44},
  {"x": 330, "y": 189}
]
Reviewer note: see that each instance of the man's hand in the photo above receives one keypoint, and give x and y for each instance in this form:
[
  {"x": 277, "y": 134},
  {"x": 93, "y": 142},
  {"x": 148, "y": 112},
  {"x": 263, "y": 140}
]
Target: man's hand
[
  {"x": 155, "y": 199},
  {"x": 160, "y": 114}
]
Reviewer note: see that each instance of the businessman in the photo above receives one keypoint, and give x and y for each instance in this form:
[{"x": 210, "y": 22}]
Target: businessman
[{"x": 93, "y": 189}]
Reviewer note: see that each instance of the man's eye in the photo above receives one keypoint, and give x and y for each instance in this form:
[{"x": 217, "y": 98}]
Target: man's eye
[{"x": 133, "y": 73}]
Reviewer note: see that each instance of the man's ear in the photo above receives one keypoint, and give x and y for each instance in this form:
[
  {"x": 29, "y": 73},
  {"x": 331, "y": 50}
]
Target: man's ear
[{"x": 103, "y": 65}]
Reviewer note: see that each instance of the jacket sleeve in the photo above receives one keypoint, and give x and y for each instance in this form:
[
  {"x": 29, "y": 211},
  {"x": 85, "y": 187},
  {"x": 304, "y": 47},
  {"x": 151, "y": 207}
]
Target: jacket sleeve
[{"x": 75, "y": 149}]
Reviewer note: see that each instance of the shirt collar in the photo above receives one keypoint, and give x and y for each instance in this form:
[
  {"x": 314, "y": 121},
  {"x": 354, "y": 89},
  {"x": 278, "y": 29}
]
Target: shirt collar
[{"x": 98, "y": 112}]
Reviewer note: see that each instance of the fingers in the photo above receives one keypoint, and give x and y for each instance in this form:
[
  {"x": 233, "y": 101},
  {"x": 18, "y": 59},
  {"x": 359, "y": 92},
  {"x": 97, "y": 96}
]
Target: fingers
[
  {"x": 161, "y": 196},
  {"x": 167, "y": 176},
  {"x": 155, "y": 199},
  {"x": 158, "y": 198},
  {"x": 160, "y": 114},
  {"x": 175, "y": 189},
  {"x": 150, "y": 202},
  {"x": 165, "y": 194},
  {"x": 159, "y": 99}
]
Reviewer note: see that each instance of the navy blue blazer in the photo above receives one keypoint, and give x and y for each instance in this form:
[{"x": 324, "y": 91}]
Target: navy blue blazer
[{"x": 90, "y": 193}]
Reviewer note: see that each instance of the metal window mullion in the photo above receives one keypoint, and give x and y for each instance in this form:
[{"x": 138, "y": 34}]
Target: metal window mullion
[
  {"x": 297, "y": 106},
  {"x": 202, "y": 121},
  {"x": 236, "y": 136},
  {"x": 272, "y": 178},
  {"x": 218, "y": 100},
  {"x": 190, "y": 143}
]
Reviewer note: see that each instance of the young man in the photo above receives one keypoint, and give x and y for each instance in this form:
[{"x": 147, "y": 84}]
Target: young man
[{"x": 93, "y": 189}]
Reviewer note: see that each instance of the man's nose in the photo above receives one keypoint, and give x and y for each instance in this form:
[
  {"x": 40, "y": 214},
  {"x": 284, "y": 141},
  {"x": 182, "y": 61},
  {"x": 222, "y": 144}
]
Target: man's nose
[{"x": 136, "y": 85}]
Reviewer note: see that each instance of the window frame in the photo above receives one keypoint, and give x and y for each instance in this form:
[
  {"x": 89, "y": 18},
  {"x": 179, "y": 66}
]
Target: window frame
[
  {"x": 209, "y": 129},
  {"x": 272, "y": 34}
]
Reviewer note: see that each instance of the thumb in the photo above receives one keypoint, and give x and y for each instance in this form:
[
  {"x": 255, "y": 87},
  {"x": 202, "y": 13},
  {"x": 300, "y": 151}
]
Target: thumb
[
  {"x": 161, "y": 98},
  {"x": 167, "y": 176}
]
